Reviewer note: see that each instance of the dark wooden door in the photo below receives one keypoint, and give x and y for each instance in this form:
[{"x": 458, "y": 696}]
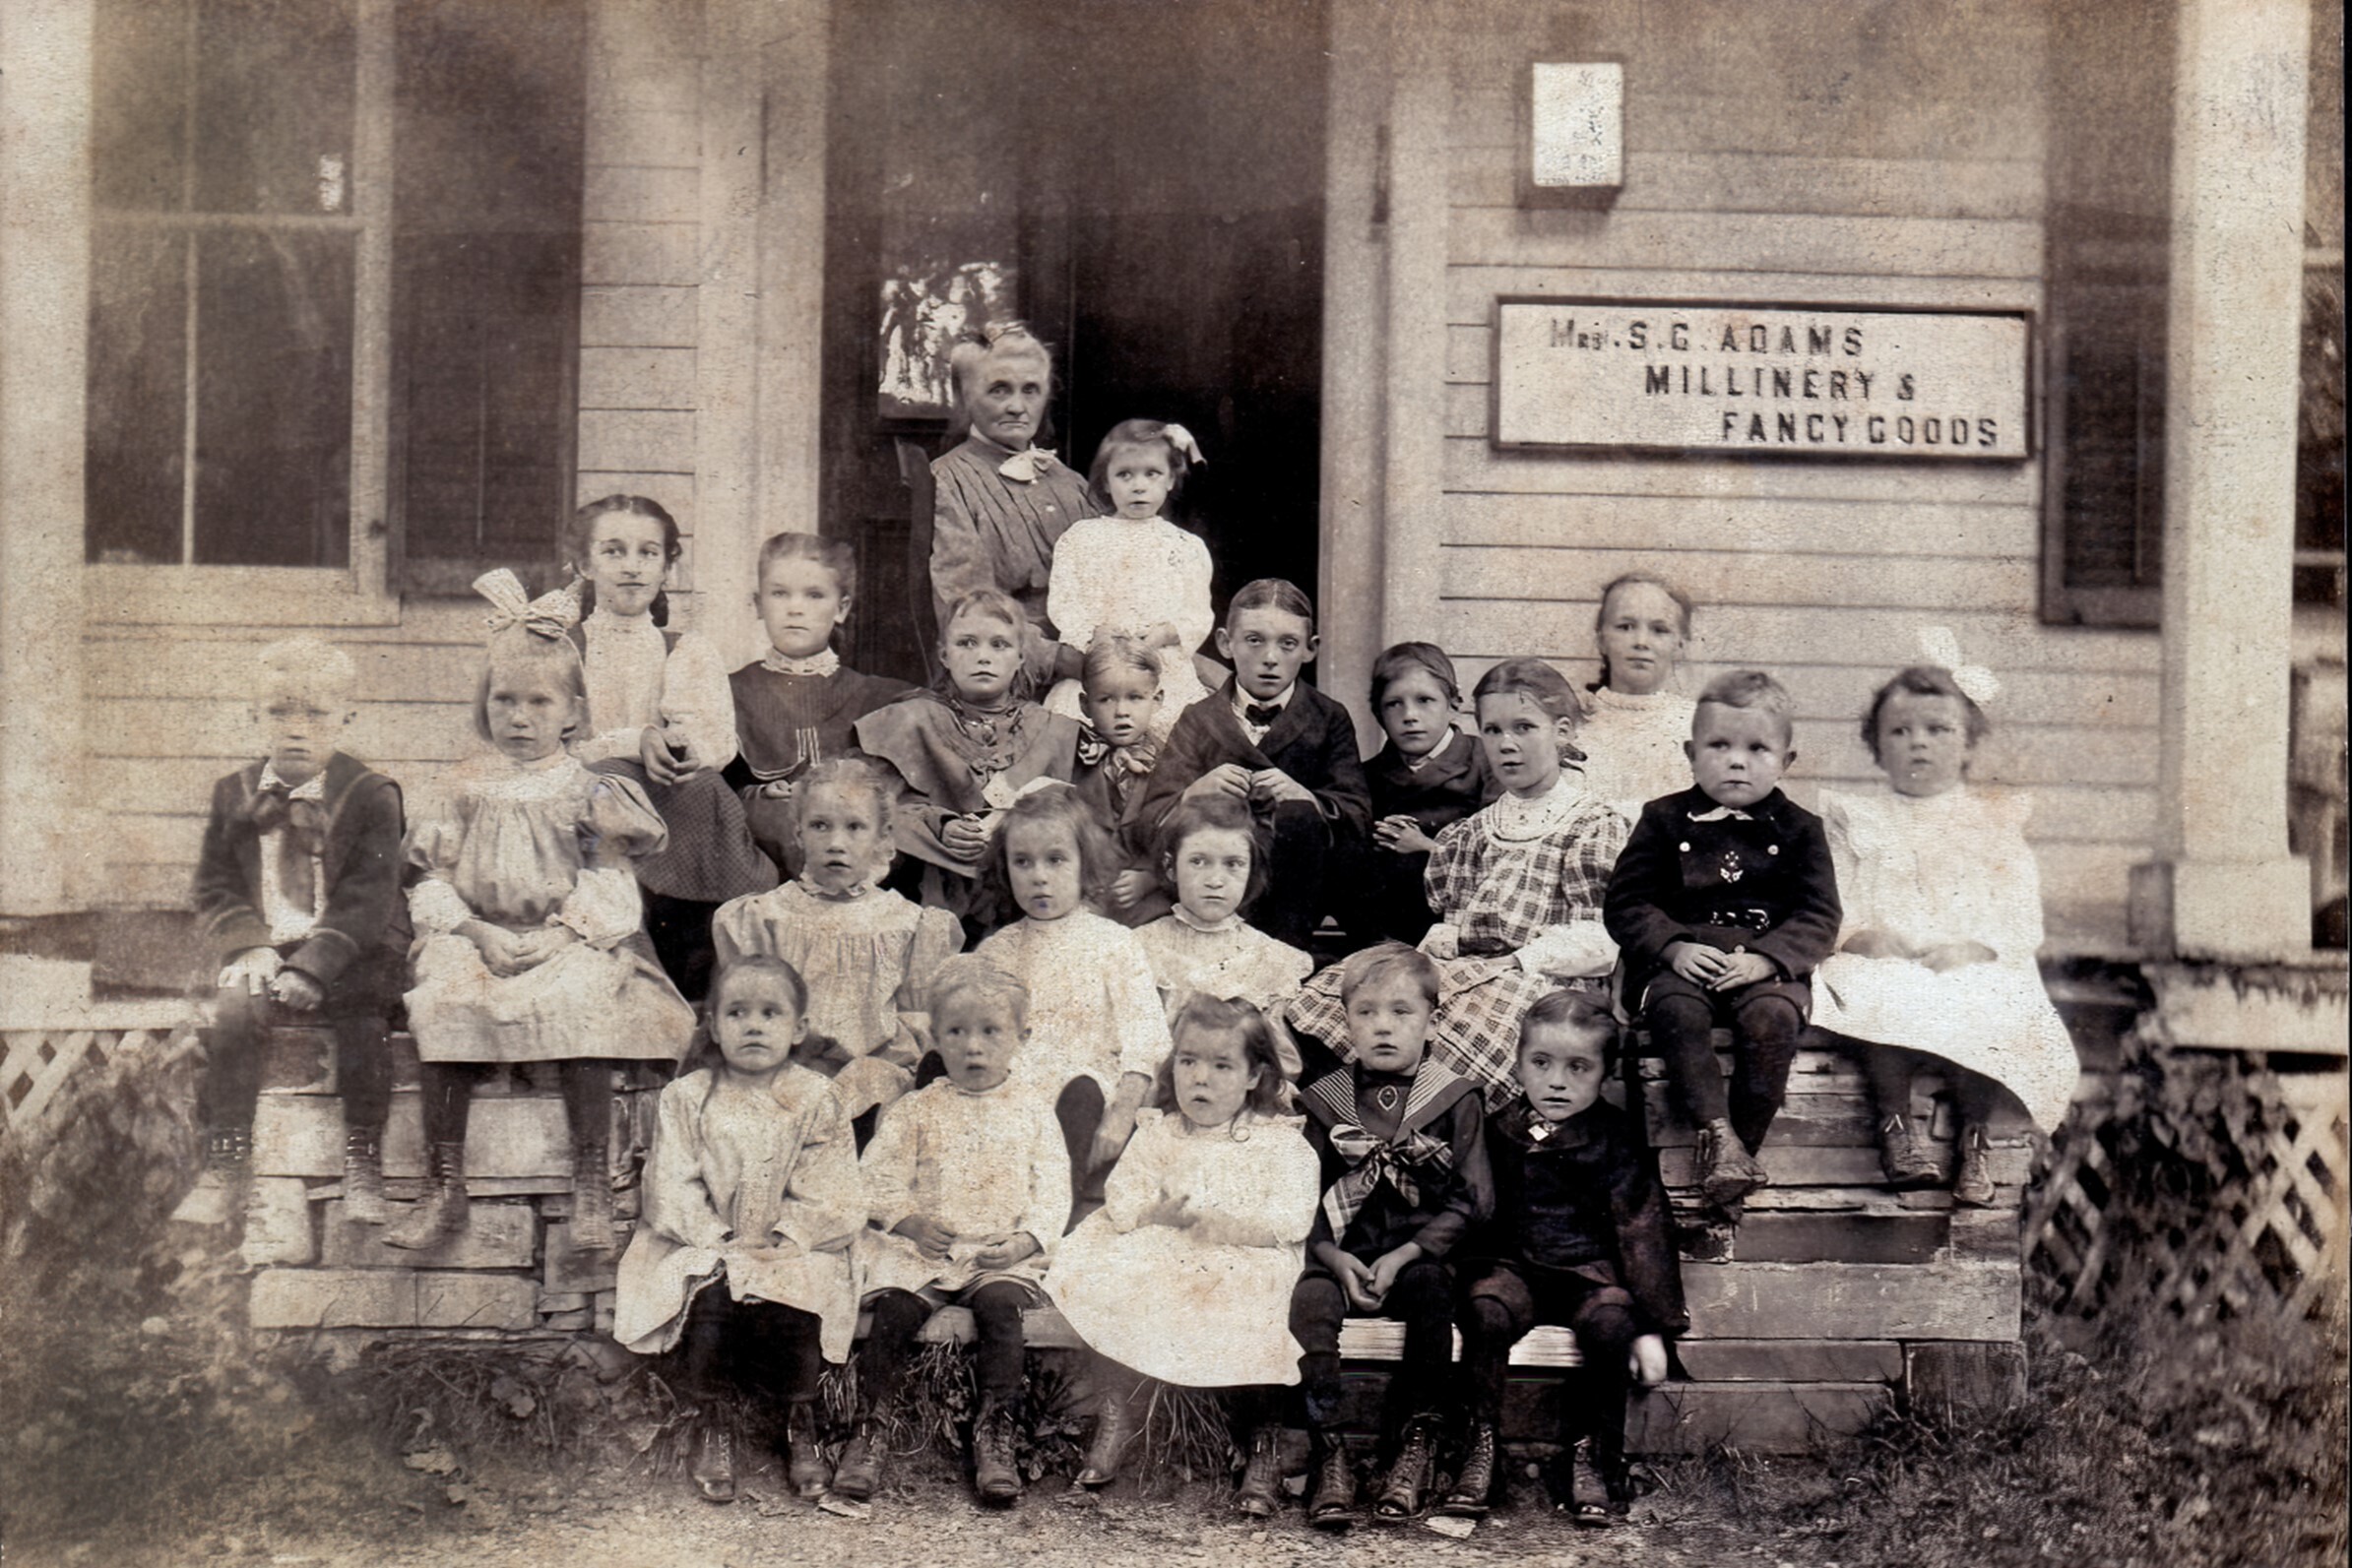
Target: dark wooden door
[{"x": 1151, "y": 179}]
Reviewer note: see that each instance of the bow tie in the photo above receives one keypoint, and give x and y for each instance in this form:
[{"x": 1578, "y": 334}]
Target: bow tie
[
  {"x": 1027, "y": 466},
  {"x": 1721, "y": 814},
  {"x": 1262, "y": 715},
  {"x": 275, "y": 808},
  {"x": 1137, "y": 757}
]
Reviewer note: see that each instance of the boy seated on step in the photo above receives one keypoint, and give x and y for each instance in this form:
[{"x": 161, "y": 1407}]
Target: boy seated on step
[
  {"x": 298, "y": 893},
  {"x": 1579, "y": 1238},
  {"x": 1723, "y": 901}
]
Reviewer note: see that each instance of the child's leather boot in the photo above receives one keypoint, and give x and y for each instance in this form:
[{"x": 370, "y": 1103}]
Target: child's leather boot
[
  {"x": 804, "y": 1456},
  {"x": 995, "y": 1476},
  {"x": 1408, "y": 1485},
  {"x": 1907, "y": 1167},
  {"x": 1261, "y": 1477},
  {"x": 364, "y": 1176},
  {"x": 219, "y": 1196},
  {"x": 1332, "y": 1501},
  {"x": 713, "y": 1468},
  {"x": 441, "y": 1213},
  {"x": 1474, "y": 1479},
  {"x": 1973, "y": 1182},
  {"x": 1727, "y": 1172},
  {"x": 858, "y": 1475},
  {"x": 1115, "y": 1427}
]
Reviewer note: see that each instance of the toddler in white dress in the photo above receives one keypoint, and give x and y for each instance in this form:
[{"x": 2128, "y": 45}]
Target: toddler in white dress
[{"x": 1133, "y": 573}]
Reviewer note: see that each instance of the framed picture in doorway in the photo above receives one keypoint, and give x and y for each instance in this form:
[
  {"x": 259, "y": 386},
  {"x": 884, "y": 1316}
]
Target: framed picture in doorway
[{"x": 932, "y": 293}]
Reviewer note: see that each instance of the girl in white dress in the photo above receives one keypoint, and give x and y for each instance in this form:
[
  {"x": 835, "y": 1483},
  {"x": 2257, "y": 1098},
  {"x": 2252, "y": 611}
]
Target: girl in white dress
[
  {"x": 1133, "y": 573},
  {"x": 1185, "y": 1272},
  {"x": 1942, "y": 916},
  {"x": 661, "y": 714},
  {"x": 1097, "y": 1030},
  {"x": 1636, "y": 722},
  {"x": 868, "y": 953},
  {"x": 1205, "y": 946},
  {"x": 530, "y": 947},
  {"x": 752, "y": 1199}
]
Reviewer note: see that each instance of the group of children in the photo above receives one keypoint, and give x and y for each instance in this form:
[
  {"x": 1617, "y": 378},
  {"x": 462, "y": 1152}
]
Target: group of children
[{"x": 971, "y": 970}]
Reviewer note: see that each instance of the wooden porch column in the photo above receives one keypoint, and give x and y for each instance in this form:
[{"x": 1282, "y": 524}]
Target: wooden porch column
[
  {"x": 44, "y": 306},
  {"x": 2225, "y": 886}
]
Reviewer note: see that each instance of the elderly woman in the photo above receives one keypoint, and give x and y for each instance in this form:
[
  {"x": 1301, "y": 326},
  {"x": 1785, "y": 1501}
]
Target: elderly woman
[{"x": 999, "y": 502}]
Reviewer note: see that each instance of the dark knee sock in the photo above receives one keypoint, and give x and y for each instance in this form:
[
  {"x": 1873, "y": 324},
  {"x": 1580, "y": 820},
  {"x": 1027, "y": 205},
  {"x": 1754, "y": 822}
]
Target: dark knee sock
[
  {"x": 1767, "y": 1032},
  {"x": 894, "y": 1318},
  {"x": 446, "y": 1090},
  {"x": 1887, "y": 1070},
  {"x": 1316, "y": 1309},
  {"x": 1975, "y": 1095},
  {"x": 1680, "y": 1027},
  {"x": 996, "y": 1346},
  {"x": 232, "y": 1069},
  {"x": 362, "y": 1071},
  {"x": 1422, "y": 1297},
  {"x": 680, "y": 931},
  {"x": 1489, "y": 1331},
  {"x": 588, "y": 1100}
]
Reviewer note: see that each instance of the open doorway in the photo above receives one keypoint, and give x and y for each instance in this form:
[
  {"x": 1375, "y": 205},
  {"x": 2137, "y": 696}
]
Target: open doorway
[{"x": 1144, "y": 186}]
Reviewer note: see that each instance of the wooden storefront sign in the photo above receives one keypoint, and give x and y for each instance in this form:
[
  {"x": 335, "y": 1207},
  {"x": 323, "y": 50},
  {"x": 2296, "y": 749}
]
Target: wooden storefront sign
[{"x": 1667, "y": 376}]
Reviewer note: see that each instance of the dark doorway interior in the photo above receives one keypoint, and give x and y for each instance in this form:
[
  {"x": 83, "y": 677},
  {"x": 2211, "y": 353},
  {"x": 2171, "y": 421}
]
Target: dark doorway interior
[{"x": 1151, "y": 177}]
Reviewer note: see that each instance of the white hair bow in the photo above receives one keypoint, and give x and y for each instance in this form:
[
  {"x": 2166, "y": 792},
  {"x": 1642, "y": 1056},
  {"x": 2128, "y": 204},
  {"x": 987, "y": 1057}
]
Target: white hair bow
[
  {"x": 1938, "y": 647},
  {"x": 551, "y": 615},
  {"x": 1183, "y": 440}
]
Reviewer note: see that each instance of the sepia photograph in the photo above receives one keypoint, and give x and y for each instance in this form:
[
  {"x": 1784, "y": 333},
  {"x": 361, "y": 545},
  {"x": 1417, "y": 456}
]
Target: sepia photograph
[{"x": 1357, "y": 782}]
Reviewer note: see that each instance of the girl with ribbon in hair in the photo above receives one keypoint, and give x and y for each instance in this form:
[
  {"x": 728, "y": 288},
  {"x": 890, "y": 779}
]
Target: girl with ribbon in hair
[
  {"x": 1000, "y": 503},
  {"x": 530, "y": 942},
  {"x": 1942, "y": 917},
  {"x": 661, "y": 714},
  {"x": 1132, "y": 573}
]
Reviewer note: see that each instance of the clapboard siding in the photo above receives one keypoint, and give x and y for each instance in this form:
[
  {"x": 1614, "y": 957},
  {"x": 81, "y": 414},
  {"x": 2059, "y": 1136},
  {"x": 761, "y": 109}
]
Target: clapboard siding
[
  {"x": 1757, "y": 182},
  {"x": 1745, "y": 524},
  {"x": 637, "y": 378},
  {"x": 637, "y": 316},
  {"x": 1471, "y": 467},
  {"x": 1511, "y": 572},
  {"x": 1746, "y": 241},
  {"x": 1471, "y": 288}
]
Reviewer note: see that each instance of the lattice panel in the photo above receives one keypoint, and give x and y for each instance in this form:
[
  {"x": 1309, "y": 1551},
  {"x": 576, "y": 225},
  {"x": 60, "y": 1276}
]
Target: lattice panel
[
  {"x": 37, "y": 1062},
  {"x": 2272, "y": 1241}
]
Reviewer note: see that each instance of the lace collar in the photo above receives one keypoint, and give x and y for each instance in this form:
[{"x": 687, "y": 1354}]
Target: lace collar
[{"x": 1193, "y": 922}]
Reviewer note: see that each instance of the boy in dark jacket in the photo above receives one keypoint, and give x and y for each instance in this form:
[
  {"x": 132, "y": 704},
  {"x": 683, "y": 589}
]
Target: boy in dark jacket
[
  {"x": 297, "y": 892},
  {"x": 1404, "y": 1155},
  {"x": 1283, "y": 747},
  {"x": 1579, "y": 1238},
  {"x": 1723, "y": 901}
]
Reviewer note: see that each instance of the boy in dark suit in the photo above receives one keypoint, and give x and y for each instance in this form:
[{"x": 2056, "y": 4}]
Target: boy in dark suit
[
  {"x": 297, "y": 891},
  {"x": 1285, "y": 748},
  {"x": 1402, "y": 1143},
  {"x": 1723, "y": 901}
]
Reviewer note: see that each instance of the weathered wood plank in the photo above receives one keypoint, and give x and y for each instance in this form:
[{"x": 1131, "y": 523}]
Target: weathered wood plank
[
  {"x": 506, "y": 1135},
  {"x": 651, "y": 443},
  {"x": 645, "y": 139},
  {"x": 1792, "y": 1361},
  {"x": 1757, "y": 1417},
  {"x": 223, "y": 728},
  {"x": 1973, "y": 1379},
  {"x": 1747, "y": 242},
  {"x": 1472, "y": 466},
  {"x": 640, "y": 253},
  {"x": 637, "y": 378},
  {"x": 1841, "y": 1238},
  {"x": 1948, "y": 1300},
  {"x": 1770, "y": 123},
  {"x": 637, "y": 195},
  {"x": 638, "y": 315},
  {"x": 497, "y": 1235}
]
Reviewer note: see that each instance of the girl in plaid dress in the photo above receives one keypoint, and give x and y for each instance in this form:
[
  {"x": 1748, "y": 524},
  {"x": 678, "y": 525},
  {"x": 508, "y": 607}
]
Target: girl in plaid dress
[{"x": 1516, "y": 887}]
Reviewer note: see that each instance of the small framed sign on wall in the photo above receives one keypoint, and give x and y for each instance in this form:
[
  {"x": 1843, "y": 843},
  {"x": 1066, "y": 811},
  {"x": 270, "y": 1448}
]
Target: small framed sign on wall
[{"x": 1572, "y": 133}]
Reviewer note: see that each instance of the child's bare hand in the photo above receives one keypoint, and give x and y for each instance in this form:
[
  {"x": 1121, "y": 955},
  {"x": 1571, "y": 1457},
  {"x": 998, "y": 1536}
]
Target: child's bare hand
[
  {"x": 1272, "y": 786},
  {"x": 653, "y": 753},
  {"x": 1742, "y": 969},
  {"x": 965, "y": 838},
  {"x": 1697, "y": 961},
  {"x": 1646, "y": 1362},
  {"x": 1402, "y": 835},
  {"x": 1004, "y": 1251},
  {"x": 296, "y": 990},
  {"x": 527, "y": 950},
  {"x": 1956, "y": 954},
  {"x": 496, "y": 945},
  {"x": 1229, "y": 779},
  {"x": 1872, "y": 943},
  {"x": 1356, "y": 1280},
  {"x": 1131, "y": 888},
  {"x": 931, "y": 1239},
  {"x": 1118, "y": 1124},
  {"x": 1389, "y": 1266}
]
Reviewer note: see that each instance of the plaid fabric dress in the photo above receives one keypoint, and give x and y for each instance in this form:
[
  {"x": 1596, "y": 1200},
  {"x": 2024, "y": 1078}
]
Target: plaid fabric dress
[{"x": 1500, "y": 879}]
